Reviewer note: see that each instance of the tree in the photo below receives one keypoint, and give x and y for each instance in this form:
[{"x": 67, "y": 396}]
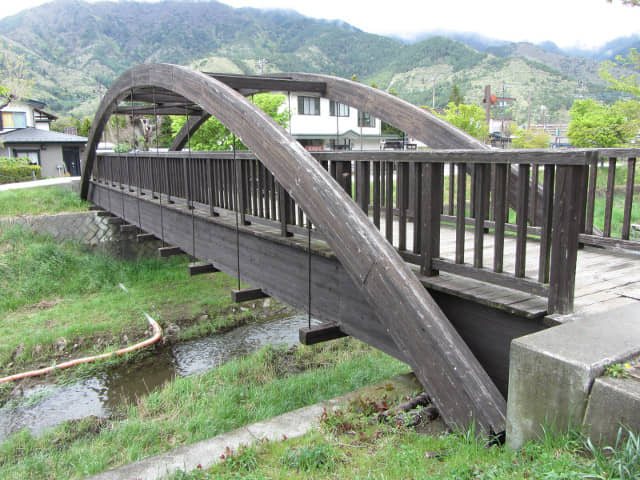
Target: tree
[
  {"x": 456, "y": 96},
  {"x": 596, "y": 125},
  {"x": 213, "y": 135},
  {"x": 531, "y": 138},
  {"x": 620, "y": 82},
  {"x": 470, "y": 118},
  {"x": 14, "y": 83}
]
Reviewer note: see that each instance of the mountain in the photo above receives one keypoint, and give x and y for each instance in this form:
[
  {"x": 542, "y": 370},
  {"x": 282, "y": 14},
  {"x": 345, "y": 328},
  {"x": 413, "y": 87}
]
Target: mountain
[{"x": 74, "y": 50}]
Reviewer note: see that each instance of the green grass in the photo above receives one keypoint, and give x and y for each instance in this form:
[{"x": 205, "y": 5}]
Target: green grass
[
  {"x": 53, "y": 290},
  {"x": 40, "y": 200},
  {"x": 262, "y": 385},
  {"x": 355, "y": 444}
]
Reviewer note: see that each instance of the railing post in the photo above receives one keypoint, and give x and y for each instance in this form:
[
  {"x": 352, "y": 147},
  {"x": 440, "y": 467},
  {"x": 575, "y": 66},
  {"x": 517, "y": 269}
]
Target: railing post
[
  {"x": 564, "y": 237},
  {"x": 431, "y": 208},
  {"x": 284, "y": 203}
]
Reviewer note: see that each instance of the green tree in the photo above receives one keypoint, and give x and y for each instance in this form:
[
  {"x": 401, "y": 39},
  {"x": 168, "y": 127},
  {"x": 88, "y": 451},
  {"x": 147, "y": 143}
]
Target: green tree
[
  {"x": 213, "y": 135},
  {"x": 531, "y": 138},
  {"x": 456, "y": 96},
  {"x": 14, "y": 83},
  {"x": 596, "y": 125},
  {"x": 623, "y": 83},
  {"x": 470, "y": 118}
]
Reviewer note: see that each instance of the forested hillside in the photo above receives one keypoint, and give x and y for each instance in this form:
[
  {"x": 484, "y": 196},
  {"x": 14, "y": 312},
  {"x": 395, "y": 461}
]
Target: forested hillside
[{"x": 74, "y": 50}]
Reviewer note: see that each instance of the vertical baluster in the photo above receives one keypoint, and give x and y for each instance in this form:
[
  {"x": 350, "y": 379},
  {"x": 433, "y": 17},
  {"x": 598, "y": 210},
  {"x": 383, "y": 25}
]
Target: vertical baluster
[
  {"x": 363, "y": 187},
  {"x": 376, "y": 194},
  {"x": 628, "y": 198},
  {"x": 481, "y": 187},
  {"x": 254, "y": 186},
  {"x": 452, "y": 177},
  {"x": 402, "y": 194},
  {"x": 261, "y": 192},
  {"x": 285, "y": 211},
  {"x": 461, "y": 207},
  {"x": 533, "y": 213},
  {"x": 418, "y": 206},
  {"x": 499, "y": 201},
  {"x": 430, "y": 202},
  {"x": 611, "y": 186},
  {"x": 388, "y": 211},
  {"x": 273, "y": 189},
  {"x": 185, "y": 180},
  {"x": 591, "y": 192},
  {"x": 544, "y": 263},
  {"x": 521, "y": 220}
]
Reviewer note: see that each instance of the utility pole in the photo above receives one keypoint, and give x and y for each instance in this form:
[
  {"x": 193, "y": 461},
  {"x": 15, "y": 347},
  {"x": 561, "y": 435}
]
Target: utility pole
[
  {"x": 487, "y": 101},
  {"x": 433, "y": 98},
  {"x": 529, "y": 111}
]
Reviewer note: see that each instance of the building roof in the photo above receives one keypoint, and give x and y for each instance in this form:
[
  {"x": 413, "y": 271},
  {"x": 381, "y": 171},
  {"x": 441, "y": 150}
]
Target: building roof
[{"x": 36, "y": 135}]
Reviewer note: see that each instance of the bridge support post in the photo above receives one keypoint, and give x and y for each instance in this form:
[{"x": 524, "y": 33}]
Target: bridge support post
[
  {"x": 432, "y": 205},
  {"x": 564, "y": 237}
]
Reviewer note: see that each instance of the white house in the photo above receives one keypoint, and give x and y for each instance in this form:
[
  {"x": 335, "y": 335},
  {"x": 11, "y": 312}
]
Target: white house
[
  {"x": 25, "y": 132},
  {"x": 322, "y": 124}
]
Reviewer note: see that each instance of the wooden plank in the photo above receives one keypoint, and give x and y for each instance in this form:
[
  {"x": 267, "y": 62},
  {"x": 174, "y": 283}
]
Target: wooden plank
[
  {"x": 115, "y": 221},
  {"x": 628, "y": 198},
  {"x": 481, "y": 187},
  {"x": 461, "y": 206},
  {"x": 564, "y": 239},
  {"x": 247, "y": 294},
  {"x": 402, "y": 194},
  {"x": 165, "y": 252},
  {"x": 418, "y": 224},
  {"x": 376, "y": 194},
  {"x": 544, "y": 264},
  {"x": 388, "y": 211},
  {"x": 129, "y": 228},
  {"x": 521, "y": 220},
  {"x": 432, "y": 204},
  {"x": 502, "y": 279},
  {"x": 145, "y": 237},
  {"x": 320, "y": 333},
  {"x": 499, "y": 202},
  {"x": 608, "y": 208},
  {"x": 201, "y": 268}
]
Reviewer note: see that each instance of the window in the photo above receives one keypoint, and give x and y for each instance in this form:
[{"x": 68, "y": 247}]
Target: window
[
  {"x": 309, "y": 105},
  {"x": 32, "y": 155},
  {"x": 338, "y": 109},
  {"x": 14, "y": 120},
  {"x": 366, "y": 120}
]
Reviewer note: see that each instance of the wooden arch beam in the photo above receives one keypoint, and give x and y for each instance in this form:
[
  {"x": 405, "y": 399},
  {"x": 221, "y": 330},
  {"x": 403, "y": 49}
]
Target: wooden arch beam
[{"x": 444, "y": 364}]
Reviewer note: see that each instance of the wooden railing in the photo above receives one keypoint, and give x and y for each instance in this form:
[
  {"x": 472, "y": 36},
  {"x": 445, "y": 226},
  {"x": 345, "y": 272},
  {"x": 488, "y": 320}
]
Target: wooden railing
[{"x": 513, "y": 198}]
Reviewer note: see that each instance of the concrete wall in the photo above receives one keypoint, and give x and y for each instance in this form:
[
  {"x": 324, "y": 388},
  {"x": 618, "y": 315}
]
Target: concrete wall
[
  {"x": 88, "y": 228},
  {"x": 555, "y": 378}
]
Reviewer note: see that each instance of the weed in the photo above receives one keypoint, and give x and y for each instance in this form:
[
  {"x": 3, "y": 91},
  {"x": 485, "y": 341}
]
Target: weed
[
  {"x": 309, "y": 458},
  {"x": 621, "y": 461},
  {"x": 245, "y": 458},
  {"x": 618, "y": 370}
]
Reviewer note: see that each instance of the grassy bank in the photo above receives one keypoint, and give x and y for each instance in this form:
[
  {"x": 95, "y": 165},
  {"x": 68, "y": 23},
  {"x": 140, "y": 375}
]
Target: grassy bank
[
  {"x": 264, "y": 384},
  {"x": 36, "y": 201},
  {"x": 356, "y": 444},
  {"x": 60, "y": 300}
]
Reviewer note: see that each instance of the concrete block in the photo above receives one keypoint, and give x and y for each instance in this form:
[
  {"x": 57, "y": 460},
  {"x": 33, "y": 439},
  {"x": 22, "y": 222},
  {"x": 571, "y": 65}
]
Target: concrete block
[
  {"x": 614, "y": 402},
  {"x": 551, "y": 372}
]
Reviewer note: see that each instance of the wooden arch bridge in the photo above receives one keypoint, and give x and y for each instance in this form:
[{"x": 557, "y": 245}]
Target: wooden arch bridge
[{"x": 439, "y": 258}]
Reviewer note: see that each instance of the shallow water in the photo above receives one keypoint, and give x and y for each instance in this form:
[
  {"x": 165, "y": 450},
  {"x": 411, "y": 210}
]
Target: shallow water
[{"x": 48, "y": 405}]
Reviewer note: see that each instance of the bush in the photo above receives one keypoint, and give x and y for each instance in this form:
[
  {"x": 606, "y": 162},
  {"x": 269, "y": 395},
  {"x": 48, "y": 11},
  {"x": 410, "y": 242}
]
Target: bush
[{"x": 19, "y": 173}]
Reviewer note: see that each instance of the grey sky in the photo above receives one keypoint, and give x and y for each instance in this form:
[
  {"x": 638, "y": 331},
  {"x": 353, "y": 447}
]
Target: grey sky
[{"x": 584, "y": 23}]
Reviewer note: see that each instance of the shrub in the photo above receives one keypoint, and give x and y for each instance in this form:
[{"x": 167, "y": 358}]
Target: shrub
[{"x": 19, "y": 173}]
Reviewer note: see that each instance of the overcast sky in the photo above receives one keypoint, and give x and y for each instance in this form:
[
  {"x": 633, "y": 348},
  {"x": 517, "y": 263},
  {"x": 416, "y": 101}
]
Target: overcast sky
[{"x": 584, "y": 23}]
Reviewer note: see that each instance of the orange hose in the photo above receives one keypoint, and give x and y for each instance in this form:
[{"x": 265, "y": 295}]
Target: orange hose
[{"x": 157, "y": 335}]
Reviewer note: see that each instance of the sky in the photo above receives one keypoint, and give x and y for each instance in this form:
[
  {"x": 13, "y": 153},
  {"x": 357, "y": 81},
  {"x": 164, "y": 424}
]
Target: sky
[{"x": 568, "y": 23}]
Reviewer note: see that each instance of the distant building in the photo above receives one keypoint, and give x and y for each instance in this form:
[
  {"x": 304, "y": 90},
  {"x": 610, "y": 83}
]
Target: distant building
[
  {"x": 322, "y": 124},
  {"x": 25, "y": 132}
]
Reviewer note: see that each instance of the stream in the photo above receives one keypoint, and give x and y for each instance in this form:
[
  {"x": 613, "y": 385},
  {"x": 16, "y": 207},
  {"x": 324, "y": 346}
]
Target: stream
[{"x": 45, "y": 405}]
